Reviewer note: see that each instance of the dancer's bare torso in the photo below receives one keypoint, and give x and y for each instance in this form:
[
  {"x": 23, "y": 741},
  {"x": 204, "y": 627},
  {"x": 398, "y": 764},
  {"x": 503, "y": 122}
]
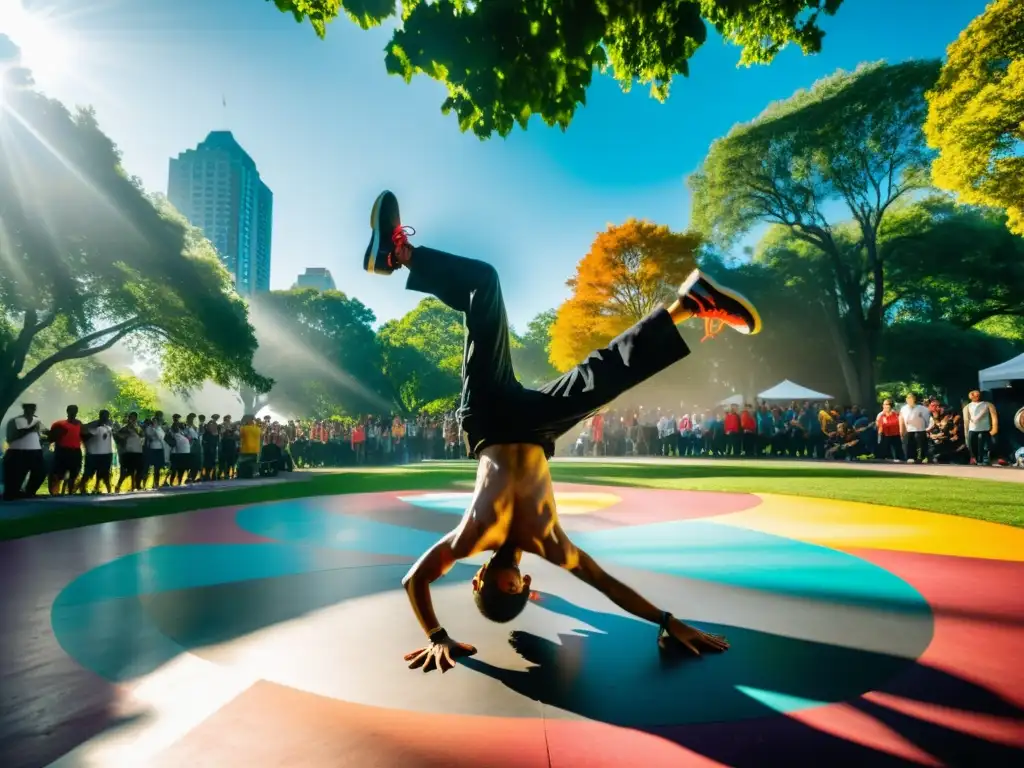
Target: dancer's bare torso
[{"x": 514, "y": 505}]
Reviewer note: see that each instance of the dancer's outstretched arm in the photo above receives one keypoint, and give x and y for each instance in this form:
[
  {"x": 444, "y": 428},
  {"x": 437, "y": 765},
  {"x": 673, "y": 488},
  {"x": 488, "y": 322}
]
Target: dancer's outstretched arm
[
  {"x": 434, "y": 564},
  {"x": 587, "y": 570}
]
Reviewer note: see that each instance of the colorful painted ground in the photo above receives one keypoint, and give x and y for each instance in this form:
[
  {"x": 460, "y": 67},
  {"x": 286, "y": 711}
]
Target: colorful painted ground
[
  {"x": 996, "y": 495},
  {"x": 273, "y": 634}
]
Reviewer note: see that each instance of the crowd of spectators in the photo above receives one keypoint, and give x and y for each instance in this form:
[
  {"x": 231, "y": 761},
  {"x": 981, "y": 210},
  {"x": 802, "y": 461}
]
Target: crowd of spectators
[
  {"x": 376, "y": 440},
  {"x": 72, "y": 457},
  {"x": 107, "y": 455},
  {"x": 915, "y": 431}
]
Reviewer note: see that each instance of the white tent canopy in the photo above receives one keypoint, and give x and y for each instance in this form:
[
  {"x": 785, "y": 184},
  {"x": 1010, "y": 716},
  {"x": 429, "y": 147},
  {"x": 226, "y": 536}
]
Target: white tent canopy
[
  {"x": 1001, "y": 375},
  {"x": 788, "y": 391}
]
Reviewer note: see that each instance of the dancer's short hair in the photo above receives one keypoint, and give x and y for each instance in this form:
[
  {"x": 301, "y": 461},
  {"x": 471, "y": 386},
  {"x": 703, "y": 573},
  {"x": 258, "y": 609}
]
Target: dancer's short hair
[{"x": 497, "y": 605}]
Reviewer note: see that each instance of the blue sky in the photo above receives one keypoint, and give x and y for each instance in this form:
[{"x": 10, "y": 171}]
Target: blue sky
[{"x": 329, "y": 128}]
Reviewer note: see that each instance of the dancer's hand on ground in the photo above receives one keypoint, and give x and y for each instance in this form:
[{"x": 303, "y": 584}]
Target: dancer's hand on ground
[
  {"x": 439, "y": 655},
  {"x": 691, "y": 639}
]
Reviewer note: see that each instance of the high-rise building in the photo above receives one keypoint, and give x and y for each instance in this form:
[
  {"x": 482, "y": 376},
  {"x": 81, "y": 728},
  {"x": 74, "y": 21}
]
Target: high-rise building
[
  {"x": 316, "y": 277},
  {"x": 217, "y": 187}
]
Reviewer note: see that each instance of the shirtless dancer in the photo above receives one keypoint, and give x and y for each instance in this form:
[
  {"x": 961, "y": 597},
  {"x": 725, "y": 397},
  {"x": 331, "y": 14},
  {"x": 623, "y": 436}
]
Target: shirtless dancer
[{"x": 512, "y": 430}]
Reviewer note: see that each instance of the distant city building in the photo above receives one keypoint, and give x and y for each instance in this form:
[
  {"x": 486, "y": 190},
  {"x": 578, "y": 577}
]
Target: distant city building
[
  {"x": 217, "y": 187},
  {"x": 316, "y": 277}
]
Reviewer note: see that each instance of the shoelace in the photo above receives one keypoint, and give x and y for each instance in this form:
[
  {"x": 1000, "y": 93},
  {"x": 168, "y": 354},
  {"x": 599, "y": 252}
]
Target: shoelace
[
  {"x": 400, "y": 239},
  {"x": 715, "y": 318}
]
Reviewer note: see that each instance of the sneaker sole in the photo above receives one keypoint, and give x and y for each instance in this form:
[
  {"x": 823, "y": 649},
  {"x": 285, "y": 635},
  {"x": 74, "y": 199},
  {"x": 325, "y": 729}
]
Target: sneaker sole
[
  {"x": 370, "y": 260},
  {"x": 739, "y": 297}
]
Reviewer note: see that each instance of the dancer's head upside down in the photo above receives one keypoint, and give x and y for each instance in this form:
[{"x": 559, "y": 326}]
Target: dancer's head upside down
[{"x": 500, "y": 590}]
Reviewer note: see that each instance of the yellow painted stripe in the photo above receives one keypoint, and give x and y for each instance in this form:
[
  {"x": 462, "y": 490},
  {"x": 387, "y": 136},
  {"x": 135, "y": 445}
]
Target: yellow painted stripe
[
  {"x": 853, "y": 525},
  {"x": 572, "y": 503}
]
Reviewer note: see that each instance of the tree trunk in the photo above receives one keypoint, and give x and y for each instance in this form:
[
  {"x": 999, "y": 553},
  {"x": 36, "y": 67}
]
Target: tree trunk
[
  {"x": 865, "y": 396},
  {"x": 851, "y": 375},
  {"x": 248, "y": 396},
  {"x": 841, "y": 346},
  {"x": 9, "y": 392}
]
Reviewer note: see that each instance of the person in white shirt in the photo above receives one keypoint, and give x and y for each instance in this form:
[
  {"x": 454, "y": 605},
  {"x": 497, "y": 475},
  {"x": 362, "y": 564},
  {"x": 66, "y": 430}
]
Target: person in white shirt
[
  {"x": 181, "y": 453},
  {"x": 131, "y": 443},
  {"x": 982, "y": 424},
  {"x": 195, "y": 462},
  {"x": 154, "y": 452},
  {"x": 412, "y": 433},
  {"x": 24, "y": 465},
  {"x": 667, "y": 435},
  {"x": 99, "y": 452},
  {"x": 914, "y": 422}
]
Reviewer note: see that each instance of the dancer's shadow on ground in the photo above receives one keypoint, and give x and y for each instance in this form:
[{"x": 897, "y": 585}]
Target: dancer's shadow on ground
[{"x": 616, "y": 675}]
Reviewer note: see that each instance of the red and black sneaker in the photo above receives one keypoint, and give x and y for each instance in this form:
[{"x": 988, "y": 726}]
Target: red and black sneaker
[
  {"x": 388, "y": 235},
  {"x": 718, "y": 306}
]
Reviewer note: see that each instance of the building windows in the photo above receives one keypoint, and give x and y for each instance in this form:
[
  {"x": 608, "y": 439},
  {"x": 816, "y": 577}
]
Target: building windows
[{"x": 218, "y": 188}]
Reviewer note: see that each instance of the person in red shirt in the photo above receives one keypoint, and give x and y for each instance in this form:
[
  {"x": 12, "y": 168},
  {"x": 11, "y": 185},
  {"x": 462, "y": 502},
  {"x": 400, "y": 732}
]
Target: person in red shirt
[
  {"x": 749, "y": 428},
  {"x": 359, "y": 442},
  {"x": 733, "y": 432},
  {"x": 66, "y": 435},
  {"x": 597, "y": 433},
  {"x": 890, "y": 444}
]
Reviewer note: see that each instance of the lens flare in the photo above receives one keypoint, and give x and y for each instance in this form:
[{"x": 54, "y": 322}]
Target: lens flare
[{"x": 46, "y": 47}]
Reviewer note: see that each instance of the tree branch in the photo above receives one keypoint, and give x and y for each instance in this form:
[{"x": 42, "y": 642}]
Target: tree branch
[
  {"x": 76, "y": 350},
  {"x": 31, "y": 328},
  {"x": 84, "y": 342}
]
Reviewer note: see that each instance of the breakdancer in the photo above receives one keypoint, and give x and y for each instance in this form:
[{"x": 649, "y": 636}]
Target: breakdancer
[{"x": 512, "y": 431}]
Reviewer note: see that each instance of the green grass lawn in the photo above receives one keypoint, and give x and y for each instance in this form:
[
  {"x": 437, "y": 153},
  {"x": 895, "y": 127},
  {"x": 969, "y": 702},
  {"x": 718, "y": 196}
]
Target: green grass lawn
[{"x": 1000, "y": 502}]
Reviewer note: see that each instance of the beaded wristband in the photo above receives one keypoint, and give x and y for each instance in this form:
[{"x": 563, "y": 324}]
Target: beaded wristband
[
  {"x": 666, "y": 617},
  {"x": 438, "y": 636}
]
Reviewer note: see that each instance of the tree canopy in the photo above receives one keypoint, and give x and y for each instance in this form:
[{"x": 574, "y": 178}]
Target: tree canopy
[
  {"x": 126, "y": 393},
  {"x": 88, "y": 260},
  {"x": 853, "y": 138},
  {"x": 321, "y": 350},
  {"x": 504, "y": 61},
  {"x": 949, "y": 263},
  {"x": 940, "y": 355},
  {"x": 950, "y": 271},
  {"x": 630, "y": 269},
  {"x": 422, "y": 354},
  {"x": 532, "y": 356},
  {"x": 976, "y": 113}
]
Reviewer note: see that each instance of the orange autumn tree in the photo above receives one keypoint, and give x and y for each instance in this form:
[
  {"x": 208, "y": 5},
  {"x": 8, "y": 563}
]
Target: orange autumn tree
[{"x": 631, "y": 269}]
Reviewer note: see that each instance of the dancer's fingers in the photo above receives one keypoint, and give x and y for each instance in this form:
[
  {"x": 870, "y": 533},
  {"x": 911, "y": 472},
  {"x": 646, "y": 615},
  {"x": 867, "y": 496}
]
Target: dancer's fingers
[{"x": 419, "y": 661}]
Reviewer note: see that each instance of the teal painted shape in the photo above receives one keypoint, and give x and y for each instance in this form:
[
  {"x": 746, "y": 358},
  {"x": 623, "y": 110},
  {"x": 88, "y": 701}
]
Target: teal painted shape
[
  {"x": 446, "y": 503},
  {"x": 99, "y": 620},
  {"x": 184, "y": 566},
  {"x": 300, "y": 523},
  {"x": 699, "y": 549},
  {"x": 780, "y": 702}
]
